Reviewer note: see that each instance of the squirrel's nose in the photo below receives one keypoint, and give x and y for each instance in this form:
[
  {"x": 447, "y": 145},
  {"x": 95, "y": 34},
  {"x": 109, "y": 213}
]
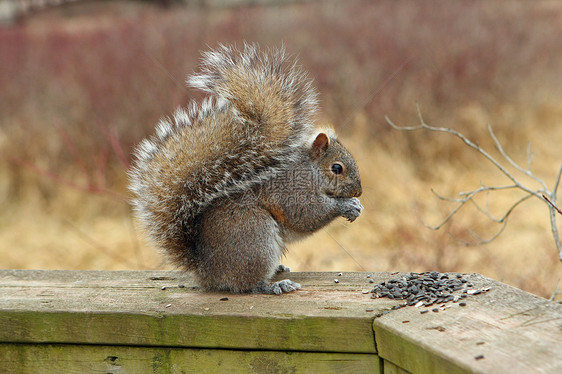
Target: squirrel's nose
[{"x": 357, "y": 191}]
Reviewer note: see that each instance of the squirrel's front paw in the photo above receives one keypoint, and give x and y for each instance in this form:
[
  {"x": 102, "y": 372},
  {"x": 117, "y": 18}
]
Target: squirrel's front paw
[{"x": 352, "y": 209}]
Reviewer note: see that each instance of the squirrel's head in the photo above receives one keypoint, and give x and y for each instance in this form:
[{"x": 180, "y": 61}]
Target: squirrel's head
[{"x": 337, "y": 165}]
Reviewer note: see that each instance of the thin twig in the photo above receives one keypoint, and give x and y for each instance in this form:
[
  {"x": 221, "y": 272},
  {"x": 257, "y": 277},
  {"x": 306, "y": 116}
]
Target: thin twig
[
  {"x": 511, "y": 162},
  {"x": 506, "y": 214},
  {"x": 464, "y": 197},
  {"x": 553, "y": 226},
  {"x": 492, "y": 238},
  {"x": 552, "y": 204},
  {"x": 465, "y": 140},
  {"x": 556, "y": 184}
]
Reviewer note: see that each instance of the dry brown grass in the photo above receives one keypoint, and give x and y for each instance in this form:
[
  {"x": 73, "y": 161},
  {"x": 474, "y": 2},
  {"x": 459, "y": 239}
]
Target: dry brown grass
[{"x": 81, "y": 85}]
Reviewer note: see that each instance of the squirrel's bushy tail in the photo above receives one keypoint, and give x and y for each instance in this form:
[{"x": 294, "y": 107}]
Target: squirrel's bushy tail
[{"x": 259, "y": 112}]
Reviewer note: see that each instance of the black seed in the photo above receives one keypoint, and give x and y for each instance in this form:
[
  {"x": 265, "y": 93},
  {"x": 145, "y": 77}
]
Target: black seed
[
  {"x": 224, "y": 299},
  {"x": 424, "y": 311},
  {"x": 435, "y": 310},
  {"x": 462, "y": 304},
  {"x": 428, "y": 287},
  {"x": 479, "y": 357}
]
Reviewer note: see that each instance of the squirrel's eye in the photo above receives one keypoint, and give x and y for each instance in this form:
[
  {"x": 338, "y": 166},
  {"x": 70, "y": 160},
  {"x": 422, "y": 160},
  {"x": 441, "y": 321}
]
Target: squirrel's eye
[{"x": 336, "y": 168}]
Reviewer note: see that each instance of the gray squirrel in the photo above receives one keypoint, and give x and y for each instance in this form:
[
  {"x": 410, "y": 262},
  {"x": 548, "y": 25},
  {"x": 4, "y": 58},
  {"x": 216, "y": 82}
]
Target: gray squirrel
[{"x": 223, "y": 186}]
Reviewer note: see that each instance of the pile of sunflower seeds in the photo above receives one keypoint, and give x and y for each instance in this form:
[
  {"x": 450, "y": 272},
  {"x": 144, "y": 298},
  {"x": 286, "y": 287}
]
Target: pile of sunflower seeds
[{"x": 426, "y": 289}]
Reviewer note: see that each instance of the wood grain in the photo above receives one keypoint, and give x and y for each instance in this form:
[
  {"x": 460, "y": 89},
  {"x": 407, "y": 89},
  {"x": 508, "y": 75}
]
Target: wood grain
[{"x": 149, "y": 321}]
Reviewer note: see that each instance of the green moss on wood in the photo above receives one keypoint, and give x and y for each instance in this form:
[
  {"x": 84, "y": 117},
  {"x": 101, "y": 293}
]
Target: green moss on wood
[{"x": 52, "y": 358}]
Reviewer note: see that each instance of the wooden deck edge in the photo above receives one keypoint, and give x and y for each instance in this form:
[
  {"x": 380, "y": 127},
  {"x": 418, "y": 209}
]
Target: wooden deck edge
[
  {"x": 505, "y": 330},
  {"x": 160, "y": 317},
  {"x": 74, "y": 358}
]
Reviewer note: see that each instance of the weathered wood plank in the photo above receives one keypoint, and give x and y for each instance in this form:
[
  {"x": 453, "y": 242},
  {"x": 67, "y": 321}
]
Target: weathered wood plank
[
  {"x": 390, "y": 368},
  {"x": 505, "y": 330},
  {"x": 514, "y": 331},
  {"x": 130, "y": 308},
  {"x": 69, "y": 359}
]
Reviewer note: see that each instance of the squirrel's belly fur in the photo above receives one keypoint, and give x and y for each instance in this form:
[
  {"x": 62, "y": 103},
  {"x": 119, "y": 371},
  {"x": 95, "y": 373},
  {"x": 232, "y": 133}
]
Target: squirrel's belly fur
[{"x": 257, "y": 120}]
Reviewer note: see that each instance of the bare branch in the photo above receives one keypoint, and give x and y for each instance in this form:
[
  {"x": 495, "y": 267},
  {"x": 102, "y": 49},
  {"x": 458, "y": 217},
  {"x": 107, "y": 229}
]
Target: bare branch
[
  {"x": 554, "y": 230},
  {"x": 471, "y": 144},
  {"x": 511, "y": 162},
  {"x": 556, "y": 184},
  {"x": 552, "y": 209},
  {"x": 479, "y": 240},
  {"x": 464, "y": 197},
  {"x": 552, "y": 204},
  {"x": 507, "y": 213},
  {"x": 492, "y": 238}
]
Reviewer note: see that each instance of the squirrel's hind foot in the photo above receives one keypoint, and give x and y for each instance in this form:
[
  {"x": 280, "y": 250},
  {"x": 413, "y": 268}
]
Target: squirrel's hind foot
[{"x": 277, "y": 288}]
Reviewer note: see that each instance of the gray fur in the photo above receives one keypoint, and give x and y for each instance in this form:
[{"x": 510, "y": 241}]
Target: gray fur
[{"x": 192, "y": 178}]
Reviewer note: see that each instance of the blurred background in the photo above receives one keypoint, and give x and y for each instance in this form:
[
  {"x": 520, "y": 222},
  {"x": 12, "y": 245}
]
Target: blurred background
[{"x": 82, "y": 82}]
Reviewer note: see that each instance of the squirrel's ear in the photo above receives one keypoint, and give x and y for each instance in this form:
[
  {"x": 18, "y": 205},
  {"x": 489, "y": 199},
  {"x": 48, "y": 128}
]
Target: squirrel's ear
[{"x": 320, "y": 145}]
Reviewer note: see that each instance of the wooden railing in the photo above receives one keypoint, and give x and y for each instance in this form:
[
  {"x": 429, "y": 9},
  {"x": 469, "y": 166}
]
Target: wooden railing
[{"x": 160, "y": 322}]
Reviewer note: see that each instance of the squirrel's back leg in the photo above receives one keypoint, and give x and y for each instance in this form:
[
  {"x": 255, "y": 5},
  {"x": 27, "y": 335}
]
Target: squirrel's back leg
[{"x": 239, "y": 247}]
